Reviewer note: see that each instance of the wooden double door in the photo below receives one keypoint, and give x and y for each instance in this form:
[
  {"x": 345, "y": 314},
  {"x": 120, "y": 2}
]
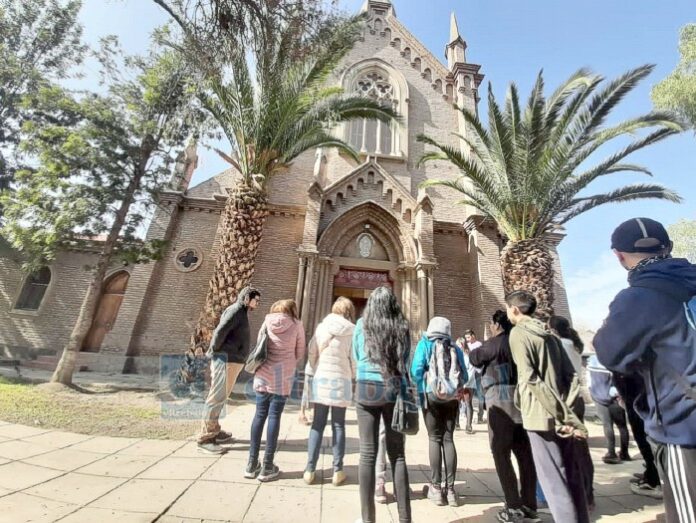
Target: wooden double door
[{"x": 107, "y": 311}]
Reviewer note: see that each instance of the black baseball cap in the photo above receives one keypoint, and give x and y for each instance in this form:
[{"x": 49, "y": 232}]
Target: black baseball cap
[{"x": 640, "y": 235}]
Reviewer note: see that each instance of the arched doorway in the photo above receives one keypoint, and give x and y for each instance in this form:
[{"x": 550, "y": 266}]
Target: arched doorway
[
  {"x": 107, "y": 310},
  {"x": 357, "y": 284}
]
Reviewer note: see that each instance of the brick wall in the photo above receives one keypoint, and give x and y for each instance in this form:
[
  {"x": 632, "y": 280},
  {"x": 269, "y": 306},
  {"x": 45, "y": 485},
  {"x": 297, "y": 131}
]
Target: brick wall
[
  {"x": 452, "y": 283},
  {"x": 22, "y": 333}
]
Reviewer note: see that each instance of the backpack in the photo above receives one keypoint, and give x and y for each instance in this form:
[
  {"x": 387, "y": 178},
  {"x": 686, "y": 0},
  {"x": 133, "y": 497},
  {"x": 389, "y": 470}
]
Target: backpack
[{"x": 444, "y": 374}]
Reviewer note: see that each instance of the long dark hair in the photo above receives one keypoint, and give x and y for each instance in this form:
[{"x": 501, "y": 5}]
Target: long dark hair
[
  {"x": 387, "y": 339},
  {"x": 562, "y": 326}
]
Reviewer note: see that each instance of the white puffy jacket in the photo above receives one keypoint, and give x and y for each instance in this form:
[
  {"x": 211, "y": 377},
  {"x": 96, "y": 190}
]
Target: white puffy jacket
[{"x": 330, "y": 357}]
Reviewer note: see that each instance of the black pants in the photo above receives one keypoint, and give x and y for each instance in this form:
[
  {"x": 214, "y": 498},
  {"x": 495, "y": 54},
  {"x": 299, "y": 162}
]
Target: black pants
[
  {"x": 629, "y": 387},
  {"x": 507, "y": 438},
  {"x": 678, "y": 471},
  {"x": 613, "y": 414},
  {"x": 560, "y": 476},
  {"x": 440, "y": 419},
  {"x": 368, "y": 428}
]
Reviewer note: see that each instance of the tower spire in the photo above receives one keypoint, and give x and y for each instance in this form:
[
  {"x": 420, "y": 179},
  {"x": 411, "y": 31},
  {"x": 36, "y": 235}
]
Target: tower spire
[
  {"x": 455, "y": 52},
  {"x": 454, "y": 28}
]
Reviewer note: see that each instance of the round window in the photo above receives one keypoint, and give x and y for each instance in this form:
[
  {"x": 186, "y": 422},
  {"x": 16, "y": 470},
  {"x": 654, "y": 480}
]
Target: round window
[{"x": 188, "y": 259}]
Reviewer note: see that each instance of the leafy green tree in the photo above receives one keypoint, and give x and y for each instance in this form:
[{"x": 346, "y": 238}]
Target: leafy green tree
[
  {"x": 677, "y": 92},
  {"x": 683, "y": 234},
  {"x": 40, "y": 41},
  {"x": 100, "y": 161},
  {"x": 272, "y": 106},
  {"x": 528, "y": 170}
]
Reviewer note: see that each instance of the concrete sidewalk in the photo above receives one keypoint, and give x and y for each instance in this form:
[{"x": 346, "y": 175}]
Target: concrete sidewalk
[{"x": 48, "y": 475}]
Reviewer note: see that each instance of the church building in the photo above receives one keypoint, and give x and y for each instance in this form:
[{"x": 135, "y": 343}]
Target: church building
[{"x": 336, "y": 227}]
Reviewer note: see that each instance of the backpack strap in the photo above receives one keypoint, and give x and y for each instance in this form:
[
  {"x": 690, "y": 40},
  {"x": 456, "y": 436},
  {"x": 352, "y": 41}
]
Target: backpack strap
[{"x": 684, "y": 298}]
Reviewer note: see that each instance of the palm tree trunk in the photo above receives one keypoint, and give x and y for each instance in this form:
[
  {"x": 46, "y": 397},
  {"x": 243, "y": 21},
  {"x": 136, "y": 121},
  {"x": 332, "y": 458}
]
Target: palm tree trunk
[
  {"x": 528, "y": 265},
  {"x": 240, "y": 231}
]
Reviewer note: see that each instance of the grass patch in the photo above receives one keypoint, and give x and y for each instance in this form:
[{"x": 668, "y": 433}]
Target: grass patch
[{"x": 108, "y": 412}]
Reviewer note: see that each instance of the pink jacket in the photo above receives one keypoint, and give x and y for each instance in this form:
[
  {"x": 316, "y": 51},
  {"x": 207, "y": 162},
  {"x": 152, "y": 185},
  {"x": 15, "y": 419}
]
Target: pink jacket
[{"x": 286, "y": 346}]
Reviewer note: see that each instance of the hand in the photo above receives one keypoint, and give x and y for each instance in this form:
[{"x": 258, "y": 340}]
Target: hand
[
  {"x": 198, "y": 352},
  {"x": 570, "y": 431},
  {"x": 621, "y": 402}
]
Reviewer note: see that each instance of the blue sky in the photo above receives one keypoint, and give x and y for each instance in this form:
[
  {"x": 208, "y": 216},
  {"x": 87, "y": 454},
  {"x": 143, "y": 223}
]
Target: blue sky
[{"x": 512, "y": 41}]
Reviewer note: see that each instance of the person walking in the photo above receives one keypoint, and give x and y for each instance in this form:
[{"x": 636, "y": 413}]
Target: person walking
[
  {"x": 506, "y": 433},
  {"x": 466, "y": 404},
  {"x": 439, "y": 372},
  {"x": 228, "y": 350},
  {"x": 606, "y": 399},
  {"x": 272, "y": 383},
  {"x": 547, "y": 387},
  {"x": 381, "y": 349},
  {"x": 332, "y": 366},
  {"x": 651, "y": 331}
]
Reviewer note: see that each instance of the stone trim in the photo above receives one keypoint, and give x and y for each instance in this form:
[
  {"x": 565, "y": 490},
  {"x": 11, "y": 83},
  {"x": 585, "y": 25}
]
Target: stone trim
[{"x": 449, "y": 228}]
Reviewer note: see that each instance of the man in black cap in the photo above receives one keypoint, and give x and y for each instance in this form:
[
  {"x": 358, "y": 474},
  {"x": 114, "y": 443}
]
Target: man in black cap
[{"x": 651, "y": 331}]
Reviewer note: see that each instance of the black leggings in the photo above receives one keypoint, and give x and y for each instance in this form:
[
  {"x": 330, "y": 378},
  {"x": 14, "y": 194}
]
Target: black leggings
[
  {"x": 611, "y": 415},
  {"x": 440, "y": 419},
  {"x": 368, "y": 428}
]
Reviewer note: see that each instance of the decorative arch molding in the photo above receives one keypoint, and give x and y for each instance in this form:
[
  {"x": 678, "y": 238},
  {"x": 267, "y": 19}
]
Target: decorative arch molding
[
  {"x": 398, "y": 242},
  {"x": 398, "y": 94}
]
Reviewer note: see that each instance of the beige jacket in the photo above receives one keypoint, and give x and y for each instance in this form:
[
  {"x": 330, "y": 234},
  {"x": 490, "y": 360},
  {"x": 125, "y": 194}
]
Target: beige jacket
[{"x": 330, "y": 358}]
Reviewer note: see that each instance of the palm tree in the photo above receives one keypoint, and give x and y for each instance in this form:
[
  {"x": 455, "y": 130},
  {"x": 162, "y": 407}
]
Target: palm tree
[
  {"x": 272, "y": 105},
  {"x": 528, "y": 170}
]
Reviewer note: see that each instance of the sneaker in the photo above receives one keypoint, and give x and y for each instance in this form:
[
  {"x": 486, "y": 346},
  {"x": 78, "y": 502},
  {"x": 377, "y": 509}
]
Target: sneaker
[
  {"x": 480, "y": 420},
  {"x": 625, "y": 456},
  {"x": 309, "y": 476},
  {"x": 268, "y": 473},
  {"x": 224, "y": 438},
  {"x": 638, "y": 477},
  {"x": 469, "y": 430},
  {"x": 530, "y": 513},
  {"x": 210, "y": 447},
  {"x": 252, "y": 469},
  {"x": 611, "y": 459},
  {"x": 339, "y": 478},
  {"x": 434, "y": 494},
  {"x": 380, "y": 492},
  {"x": 452, "y": 497},
  {"x": 643, "y": 489},
  {"x": 510, "y": 515}
]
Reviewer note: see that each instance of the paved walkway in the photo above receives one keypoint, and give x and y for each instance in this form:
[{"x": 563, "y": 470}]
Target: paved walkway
[{"x": 48, "y": 475}]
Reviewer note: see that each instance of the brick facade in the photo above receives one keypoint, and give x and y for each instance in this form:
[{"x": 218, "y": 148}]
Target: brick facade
[{"x": 327, "y": 212}]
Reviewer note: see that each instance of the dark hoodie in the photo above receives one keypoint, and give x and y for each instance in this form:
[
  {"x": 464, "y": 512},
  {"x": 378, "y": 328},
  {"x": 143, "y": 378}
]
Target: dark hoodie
[
  {"x": 647, "y": 332},
  {"x": 232, "y": 334}
]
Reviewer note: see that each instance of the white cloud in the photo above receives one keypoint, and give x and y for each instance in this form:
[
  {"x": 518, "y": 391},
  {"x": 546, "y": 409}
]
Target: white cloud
[{"x": 591, "y": 289}]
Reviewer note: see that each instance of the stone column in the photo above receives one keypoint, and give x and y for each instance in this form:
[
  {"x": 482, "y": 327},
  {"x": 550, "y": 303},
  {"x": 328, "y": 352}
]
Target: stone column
[
  {"x": 561, "y": 306},
  {"x": 488, "y": 293}
]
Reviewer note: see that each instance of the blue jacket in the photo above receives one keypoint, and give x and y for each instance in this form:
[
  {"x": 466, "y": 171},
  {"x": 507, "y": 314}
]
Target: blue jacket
[
  {"x": 421, "y": 360},
  {"x": 647, "y": 332},
  {"x": 365, "y": 369}
]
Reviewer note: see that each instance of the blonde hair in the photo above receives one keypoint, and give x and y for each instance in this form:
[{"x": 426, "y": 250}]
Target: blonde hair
[
  {"x": 288, "y": 307},
  {"x": 344, "y": 307}
]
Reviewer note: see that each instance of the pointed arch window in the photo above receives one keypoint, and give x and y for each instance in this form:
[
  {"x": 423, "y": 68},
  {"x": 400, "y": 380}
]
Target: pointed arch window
[
  {"x": 374, "y": 136},
  {"x": 33, "y": 290}
]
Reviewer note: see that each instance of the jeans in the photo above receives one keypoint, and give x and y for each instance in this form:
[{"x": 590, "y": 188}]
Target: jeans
[
  {"x": 368, "y": 426},
  {"x": 440, "y": 419},
  {"x": 316, "y": 434},
  {"x": 267, "y": 406},
  {"x": 507, "y": 438},
  {"x": 611, "y": 415}
]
